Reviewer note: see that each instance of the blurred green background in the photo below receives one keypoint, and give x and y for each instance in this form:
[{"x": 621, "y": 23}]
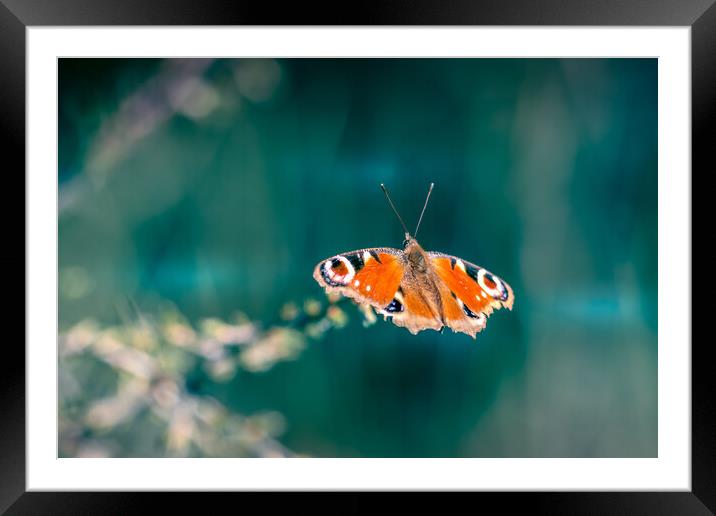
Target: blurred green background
[{"x": 196, "y": 196}]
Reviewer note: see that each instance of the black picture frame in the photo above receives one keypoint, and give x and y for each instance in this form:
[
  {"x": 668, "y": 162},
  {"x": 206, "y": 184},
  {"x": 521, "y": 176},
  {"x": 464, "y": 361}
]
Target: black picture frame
[{"x": 17, "y": 15}]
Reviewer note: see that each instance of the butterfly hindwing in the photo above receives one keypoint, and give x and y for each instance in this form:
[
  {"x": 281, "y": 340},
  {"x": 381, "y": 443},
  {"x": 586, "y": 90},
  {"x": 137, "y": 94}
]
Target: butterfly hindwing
[
  {"x": 409, "y": 309},
  {"x": 369, "y": 276},
  {"x": 458, "y": 316}
]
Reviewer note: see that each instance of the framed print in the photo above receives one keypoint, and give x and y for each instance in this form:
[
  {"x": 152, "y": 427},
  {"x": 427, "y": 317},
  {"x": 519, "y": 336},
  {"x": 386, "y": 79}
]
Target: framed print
[{"x": 446, "y": 251}]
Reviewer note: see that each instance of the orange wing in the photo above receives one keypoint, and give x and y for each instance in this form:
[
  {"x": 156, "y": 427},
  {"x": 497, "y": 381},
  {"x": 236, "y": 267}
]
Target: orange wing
[
  {"x": 369, "y": 276},
  {"x": 410, "y": 310},
  {"x": 469, "y": 293}
]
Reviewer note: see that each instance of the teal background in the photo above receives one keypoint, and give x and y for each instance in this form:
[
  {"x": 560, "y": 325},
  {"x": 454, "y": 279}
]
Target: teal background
[{"x": 216, "y": 186}]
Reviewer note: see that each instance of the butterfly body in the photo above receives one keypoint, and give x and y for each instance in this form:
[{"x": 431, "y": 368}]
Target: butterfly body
[{"x": 418, "y": 290}]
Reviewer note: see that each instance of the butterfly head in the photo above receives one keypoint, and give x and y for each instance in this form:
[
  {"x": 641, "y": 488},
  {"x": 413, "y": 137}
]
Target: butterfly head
[
  {"x": 415, "y": 253},
  {"x": 408, "y": 240}
]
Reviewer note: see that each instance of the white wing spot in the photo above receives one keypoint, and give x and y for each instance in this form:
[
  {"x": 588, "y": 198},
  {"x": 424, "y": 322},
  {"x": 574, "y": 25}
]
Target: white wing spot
[
  {"x": 460, "y": 265},
  {"x": 356, "y": 283},
  {"x": 368, "y": 288},
  {"x": 366, "y": 256},
  {"x": 483, "y": 294}
]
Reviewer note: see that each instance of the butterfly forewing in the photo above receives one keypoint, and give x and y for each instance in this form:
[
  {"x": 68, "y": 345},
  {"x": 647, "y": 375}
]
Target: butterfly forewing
[{"x": 369, "y": 275}]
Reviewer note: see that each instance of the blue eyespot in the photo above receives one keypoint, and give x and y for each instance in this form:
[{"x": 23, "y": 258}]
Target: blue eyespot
[{"x": 394, "y": 306}]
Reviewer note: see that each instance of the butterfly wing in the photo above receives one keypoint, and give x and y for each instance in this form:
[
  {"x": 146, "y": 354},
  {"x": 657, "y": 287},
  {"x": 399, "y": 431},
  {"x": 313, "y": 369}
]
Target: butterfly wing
[
  {"x": 410, "y": 309},
  {"x": 370, "y": 276},
  {"x": 377, "y": 277},
  {"x": 469, "y": 293}
]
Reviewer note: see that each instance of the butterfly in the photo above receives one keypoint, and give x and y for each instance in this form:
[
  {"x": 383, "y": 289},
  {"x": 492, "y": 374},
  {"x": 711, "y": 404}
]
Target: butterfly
[{"x": 417, "y": 289}]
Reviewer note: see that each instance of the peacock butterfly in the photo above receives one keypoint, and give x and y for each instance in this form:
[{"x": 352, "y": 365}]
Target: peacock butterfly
[{"x": 417, "y": 290}]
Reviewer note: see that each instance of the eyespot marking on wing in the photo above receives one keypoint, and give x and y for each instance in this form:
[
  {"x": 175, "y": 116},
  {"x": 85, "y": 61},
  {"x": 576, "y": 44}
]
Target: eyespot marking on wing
[
  {"x": 338, "y": 271},
  {"x": 492, "y": 285},
  {"x": 395, "y": 306}
]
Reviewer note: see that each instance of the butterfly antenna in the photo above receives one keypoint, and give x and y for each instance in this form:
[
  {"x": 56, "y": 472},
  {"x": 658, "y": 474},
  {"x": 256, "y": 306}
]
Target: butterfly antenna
[
  {"x": 424, "y": 206},
  {"x": 385, "y": 191}
]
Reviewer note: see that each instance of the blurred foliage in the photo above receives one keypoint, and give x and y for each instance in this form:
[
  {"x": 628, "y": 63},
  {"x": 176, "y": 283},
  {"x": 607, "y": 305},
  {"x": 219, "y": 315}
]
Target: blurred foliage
[
  {"x": 193, "y": 189},
  {"x": 133, "y": 388}
]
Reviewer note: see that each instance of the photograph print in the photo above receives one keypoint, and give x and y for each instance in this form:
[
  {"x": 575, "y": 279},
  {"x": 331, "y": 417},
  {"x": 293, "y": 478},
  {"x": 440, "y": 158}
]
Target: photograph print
[{"x": 384, "y": 257}]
